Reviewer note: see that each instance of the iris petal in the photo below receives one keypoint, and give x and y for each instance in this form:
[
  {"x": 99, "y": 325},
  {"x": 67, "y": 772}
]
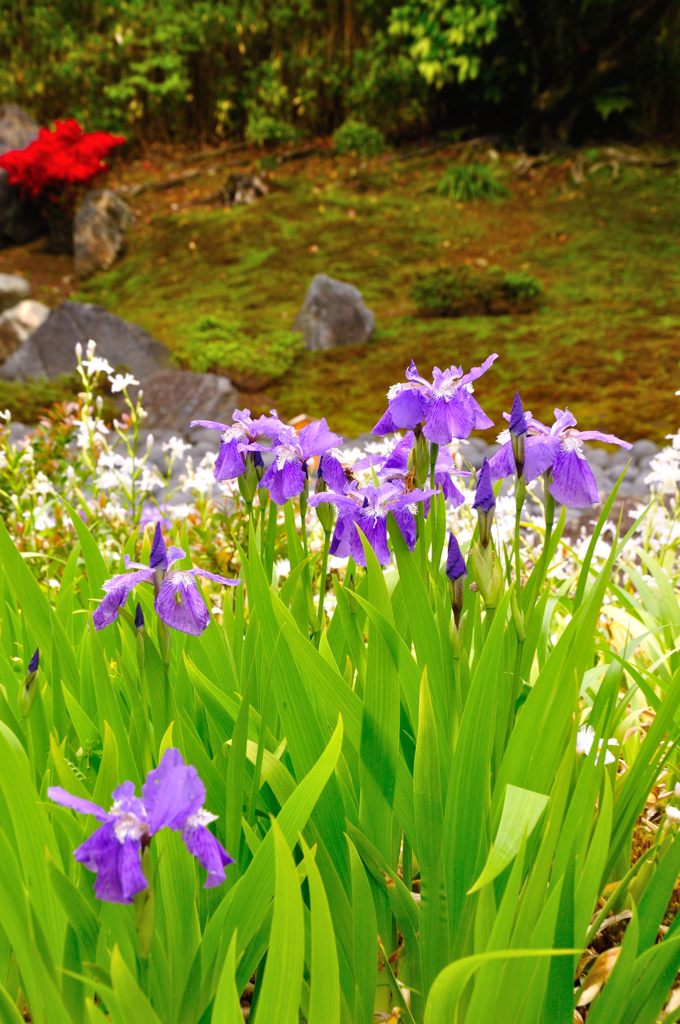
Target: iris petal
[{"x": 573, "y": 483}]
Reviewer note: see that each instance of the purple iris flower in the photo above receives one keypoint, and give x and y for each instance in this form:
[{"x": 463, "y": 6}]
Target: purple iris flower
[
  {"x": 34, "y": 663},
  {"x": 287, "y": 474},
  {"x": 396, "y": 467},
  {"x": 367, "y": 508},
  {"x": 445, "y": 407},
  {"x": 237, "y": 439},
  {"x": 172, "y": 797},
  {"x": 178, "y": 602},
  {"x": 559, "y": 450}
]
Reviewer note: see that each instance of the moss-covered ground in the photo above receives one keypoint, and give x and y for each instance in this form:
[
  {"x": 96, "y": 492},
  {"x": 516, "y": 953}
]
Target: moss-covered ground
[{"x": 606, "y": 341}]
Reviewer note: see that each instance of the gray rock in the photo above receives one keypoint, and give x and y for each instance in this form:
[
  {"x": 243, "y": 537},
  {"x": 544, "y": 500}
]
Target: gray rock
[
  {"x": 13, "y": 289},
  {"x": 334, "y": 313},
  {"x": 99, "y": 229},
  {"x": 643, "y": 452},
  {"x": 243, "y": 189},
  {"x": 18, "y": 323},
  {"x": 50, "y": 350},
  {"x": 20, "y": 220},
  {"x": 172, "y": 398}
]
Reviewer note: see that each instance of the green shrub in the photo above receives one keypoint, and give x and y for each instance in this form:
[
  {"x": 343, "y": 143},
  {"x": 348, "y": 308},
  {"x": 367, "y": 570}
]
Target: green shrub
[
  {"x": 27, "y": 400},
  {"x": 467, "y": 182},
  {"x": 358, "y": 138},
  {"x": 475, "y": 292},
  {"x": 265, "y": 130},
  {"x": 216, "y": 345}
]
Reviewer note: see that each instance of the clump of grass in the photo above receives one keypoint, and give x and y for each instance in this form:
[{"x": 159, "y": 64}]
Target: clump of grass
[
  {"x": 357, "y": 138},
  {"x": 217, "y": 345},
  {"x": 467, "y": 182},
  {"x": 475, "y": 292}
]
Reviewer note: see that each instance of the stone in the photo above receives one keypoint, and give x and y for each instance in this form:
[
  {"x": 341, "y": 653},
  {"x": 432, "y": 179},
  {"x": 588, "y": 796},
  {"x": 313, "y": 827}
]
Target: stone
[
  {"x": 643, "y": 452},
  {"x": 334, "y": 313},
  {"x": 13, "y": 289},
  {"x": 243, "y": 189},
  {"x": 18, "y": 323},
  {"x": 172, "y": 398},
  {"x": 20, "y": 220},
  {"x": 101, "y": 221},
  {"x": 49, "y": 351}
]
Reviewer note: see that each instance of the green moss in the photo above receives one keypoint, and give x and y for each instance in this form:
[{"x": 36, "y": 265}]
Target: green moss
[{"x": 607, "y": 255}]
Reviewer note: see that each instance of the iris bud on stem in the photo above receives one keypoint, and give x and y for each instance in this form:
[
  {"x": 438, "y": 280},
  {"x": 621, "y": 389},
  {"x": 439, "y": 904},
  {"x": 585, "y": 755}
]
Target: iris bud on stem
[
  {"x": 488, "y": 574},
  {"x": 29, "y": 690},
  {"x": 456, "y": 571},
  {"x": 139, "y": 630},
  {"x": 250, "y": 478},
  {"x": 485, "y": 503}
]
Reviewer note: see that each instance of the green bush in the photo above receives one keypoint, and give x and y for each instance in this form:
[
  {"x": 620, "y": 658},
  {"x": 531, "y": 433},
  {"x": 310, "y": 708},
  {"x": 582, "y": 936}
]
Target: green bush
[
  {"x": 467, "y": 182},
  {"x": 475, "y": 292},
  {"x": 27, "y": 400},
  {"x": 266, "y": 130},
  {"x": 358, "y": 138},
  {"x": 216, "y": 345}
]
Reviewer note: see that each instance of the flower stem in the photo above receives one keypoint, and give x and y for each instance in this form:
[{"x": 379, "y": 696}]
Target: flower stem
[{"x": 322, "y": 580}]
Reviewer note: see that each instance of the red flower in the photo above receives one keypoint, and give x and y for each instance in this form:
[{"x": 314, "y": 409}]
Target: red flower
[{"x": 59, "y": 158}]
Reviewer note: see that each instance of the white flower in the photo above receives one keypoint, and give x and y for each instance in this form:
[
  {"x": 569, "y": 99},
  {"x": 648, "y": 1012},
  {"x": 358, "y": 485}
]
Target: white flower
[
  {"x": 41, "y": 485},
  {"x": 585, "y": 738},
  {"x": 281, "y": 568},
  {"x": 97, "y": 364},
  {"x": 673, "y": 814},
  {"x": 121, "y": 382},
  {"x": 176, "y": 447}
]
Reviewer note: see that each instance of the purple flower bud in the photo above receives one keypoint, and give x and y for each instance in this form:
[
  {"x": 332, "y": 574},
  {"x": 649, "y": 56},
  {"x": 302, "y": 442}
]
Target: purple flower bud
[
  {"x": 139, "y": 617},
  {"x": 485, "y": 503},
  {"x": 518, "y": 420},
  {"x": 484, "y": 496},
  {"x": 35, "y": 661},
  {"x": 456, "y": 570},
  {"x": 455, "y": 563},
  {"x": 158, "y": 559}
]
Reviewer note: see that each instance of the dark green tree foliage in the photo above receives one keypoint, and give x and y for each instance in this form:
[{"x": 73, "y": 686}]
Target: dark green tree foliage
[{"x": 274, "y": 71}]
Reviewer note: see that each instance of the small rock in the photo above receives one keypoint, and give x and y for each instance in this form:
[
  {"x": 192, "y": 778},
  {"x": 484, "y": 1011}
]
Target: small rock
[
  {"x": 49, "y": 351},
  {"x": 18, "y": 323},
  {"x": 13, "y": 289},
  {"x": 334, "y": 313},
  {"x": 643, "y": 452},
  {"x": 99, "y": 231},
  {"x": 242, "y": 189},
  {"x": 20, "y": 220},
  {"x": 172, "y": 398}
]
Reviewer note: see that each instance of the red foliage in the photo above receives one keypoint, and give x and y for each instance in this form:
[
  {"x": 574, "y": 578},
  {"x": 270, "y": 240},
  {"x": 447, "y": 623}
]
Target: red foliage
[{"x": 59, "y": 158}]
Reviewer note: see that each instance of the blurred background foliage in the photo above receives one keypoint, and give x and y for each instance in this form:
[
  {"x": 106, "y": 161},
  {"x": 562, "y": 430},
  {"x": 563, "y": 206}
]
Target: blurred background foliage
[{"x": 560, "y": 70}]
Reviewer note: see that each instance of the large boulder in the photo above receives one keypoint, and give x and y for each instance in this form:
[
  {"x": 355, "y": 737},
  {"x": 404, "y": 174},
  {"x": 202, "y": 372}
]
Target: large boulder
[
  {"x": 20, "y": 220},
  {"x": 18, "y": 323},
  {"x": 172, "y": 398},
  {"x": 13, "y": 289},
  {"x": 99, "y": 229},
  {"x": 334, "y": 313},
  {"x": 50, "y": 350}
]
